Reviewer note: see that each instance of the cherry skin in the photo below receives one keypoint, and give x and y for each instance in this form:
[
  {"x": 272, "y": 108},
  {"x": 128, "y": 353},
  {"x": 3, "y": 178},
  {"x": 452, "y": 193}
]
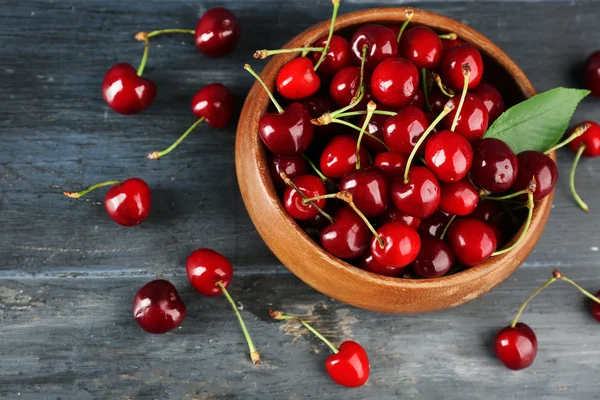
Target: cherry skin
[
  {"x": 533, "y": 164},
  {"x": 495, "y": 165},
  {"x": 311, "y": 186},
  {"x": 419, "y": 197},
  {"x": 350, "y": 367},
  {"x": 337, "y": 57},
  {"x": 451, "y": 66},
  {"x": 368, "y": 263},
  {"x": 486, "y": 211},
  {"x": 401, "y": 245},
  {"x": 345, "y": 85},
  {"x": 448, "y": 155},
  {"x": 289, "y": 133},
  {"x": 292, "y": 166},
  {"x": 348, "y": 236},
  {"x": 516, "y": 347},
  {"x": 316, "y": 106},
  {"x": 339, "y": 156},
  {"x": 128, "y": 203},
  {"x": 380, "y": 41},
  {"x": 157, "y": 307},
  {"x": 450, "y": 43},
  {"x": 435, "y": 258},
  {"x": 458, "y": 198},
  {"x": 126, "y": 92},
  {"x": 590, "y": 138},
  {"x": 419, "y": 99},
  {"x": 297, "y": 79},
  {"x": 473, "y": 120},
  {"x": 392, "y": 214},
  {"x": 391, "y": 163},
  {"x": 596, "y": 309},
  {"x": 206, "y": 267},
  {"x": 472, "y": 241},
  {"x": 394, "y": 82},
  {"x": 421, "y": 46},
  {"x": 491, "y": 98},
  {"x": 437, "y": 101},
  {"x": 434, "y": 225},
  {"x": 592, "y": 73},
  {"x": 217, "y": 32},
  {"x": 375, "y": 128},
  {"x": 402, "y": 131},
  {"x": 369, "y": 188},
  {"x": 214, "y": 102}
]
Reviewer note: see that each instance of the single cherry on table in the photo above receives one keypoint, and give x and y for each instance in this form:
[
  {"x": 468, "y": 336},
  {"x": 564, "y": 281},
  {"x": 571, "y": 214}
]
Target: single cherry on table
[
  {"x": 591, "y": 74},
  {"x": 516, "y": 347},
  {"x": 157, "y": 307},
  {"x": 217, "y": 32},
  {"x": 125, "y": 91}
]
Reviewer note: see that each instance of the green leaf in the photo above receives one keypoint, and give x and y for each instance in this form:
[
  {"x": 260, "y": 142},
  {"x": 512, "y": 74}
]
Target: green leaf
[{"x": 539, "y": 122}]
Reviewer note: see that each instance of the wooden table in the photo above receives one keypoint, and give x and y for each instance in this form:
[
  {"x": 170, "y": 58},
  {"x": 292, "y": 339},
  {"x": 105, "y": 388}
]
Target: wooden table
[{"x": 68, "y": 273}]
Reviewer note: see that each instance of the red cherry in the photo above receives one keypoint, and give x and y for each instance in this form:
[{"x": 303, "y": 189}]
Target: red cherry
[
  {"x": 421, "y": 46},
  {"x": 394, "y": 82},
  {"x": 339, "y": 156},
  {"x": 292, "y": 166},
  {"x": 375, "y": 128},
  {"x": 369, "y": 188},
  {"x": 437, "y": 101},
  {"x": 402, "y": 131},
  {"x": 214, "y": 102},
  {"x": 391, "y": 163},
  {"x": 452, "y": 62},
  {"x": 311, "y": 186},
  {"x": 288, "y": 133},
  {"x": 297, "y": 79},
  {"x": 435, "y": 258},
  {"x": 206, "y": 267},
  {"x": 316, "y": 106},
  {"x": 592, "y": 73},
  {"x": 419, "y": 197},
  {"x": 596, "y": 309},
  {"x": 516, "y": 347},
  {"x": 472, "y": 241},
  {"x": 401, "y": 245},
  {"x": 126, "y": 92},
  {"x": 533, "y": 164},
  {"x": 458, "y": 198},
  {"x": 450, "y": 43},
  {"x": 380, "y": 41},
  {"x": 344, "y": 86},
  {"x": 217, "y": 32},
  {"x": 491, "y": 98},
  {"x": 337, "y": 57},
  {"x": 590, "y": 138},
  {"x": 448, "y": 155},
  {"x": 473, "y": 120},
  {"x": 348, "y": 236},
  {"x": 157, "y": 307},
  {"x": 434, "y": 225},
  {"x": 128, "y": 203},
  {"x": 392, "y": 214},
  {"x": 368, "y": 263},
  {"x": 495, "y": 165},
  {"x": 419, "y": 99},
  {"x": 350, "y": 367}
]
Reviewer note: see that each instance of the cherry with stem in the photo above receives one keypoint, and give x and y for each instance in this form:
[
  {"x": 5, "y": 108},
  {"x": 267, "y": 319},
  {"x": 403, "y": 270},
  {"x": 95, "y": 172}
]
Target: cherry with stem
[
  {"x": 357, "y": 128},
  {"x": 577, "y": 132},
  {"x": 155, "y": 155},
  {"x": 306, "y": 200},
  {"x": 409, "y": 13},
  {"x": 466, "y": 70},
  {"x": 371, "y": 106},
  {"x": 145, "y": 36}
]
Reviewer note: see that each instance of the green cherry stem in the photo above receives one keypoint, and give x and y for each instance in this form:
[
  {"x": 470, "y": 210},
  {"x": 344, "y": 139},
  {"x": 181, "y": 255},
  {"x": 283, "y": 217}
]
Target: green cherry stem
[
  {"x": 409, "y": 13},
  {"x": 447, "y": 227},
  {"x": 443, "y": 88},
  {"x": 76, "y": 195},
  {"x": 466, "y": 70},
  {"x": 371, "y": 106},
  {"x": 449, "y": 36},
  {"x": 425, "y": 91},
  {"x": 560, "y": 276},
  {"x": 155, "y": 155},
  {"x": 360, "y": 92},
  {"x": 347, "y": 198},
  {"x": 248, "y": 68},
  {"x": 580, "y": 130},
  {"x": 530, "y": 206},
  {"x": 291, "y": 184},
  {"x": 357, "y": 113},
  {"x": 317, "y": 198},
  {"x": 144, "y": 36},
  {"x": 140, "y": 69},
  {"x": 351, "y": 125},
  {"x": 578, "y": 199},
  {"x": 278, "y": 315},
  {"x": 262, "y": 54},
  {"x": 522, "y": 308},
  {"x": 336, "y": 6},
  {"x": 314, "y": 167},
  {"x": 506, "y": 197},
  {"x": 254, "y": 356}
]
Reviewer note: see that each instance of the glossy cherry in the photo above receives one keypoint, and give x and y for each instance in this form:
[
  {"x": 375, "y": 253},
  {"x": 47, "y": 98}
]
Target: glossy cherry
[
  {"x": 402, "y": 131},
  {"x": 348, "y": 236},
  {"x": 451, "y": 66},
  {"x": 422, "y": 47},
  {"x": 217, "y": 32},
  {"x": 492, "y": 99},
  {"x": 206, "y": 267},
  {"x": 435, "y": 258},
  {"x": 516, "y": 347},
  {"x": 128, "y": 203},
  {"x": 591, "y": 73},
  {"x": 434, "y": 225},
  {"x": 391, "y": 163},
  {"x": 288, "y": 133},
  {"x": 368, "y": 263},
  {"x": 311, "y": 186},
  {"x": 450, "y": 43},
  {"x": 337, "y": 57},
  {"x": 394, "y": 82},
  {"x": 437, "y": 101},
  {"x": 472, "y": 241},
  {"x": 157, "y": 307},
  {"x": 345, "y": 85},
  {"x": 375, "y": 128},
  {"x": 401, "y": 245},
  {"x": 214, "y": 103},
  {"x": 448, "y": 155},
  {"x": 126, "y": 92},
  {"x": 350, "y": 367},
  {"x": 370, "y": 189},
  {"x": 590, "y": 138},
  {"x": 458, "y": 198},
  {"x": 419, "y": 99},
  {"x": 533, "y": 164},
  {"x": 392, "y": 214},
  {"x": 380, "y": 41},
  {"x": 495, "y": 166},
  {"x": 292, "y": 166},
  {"x": 596, "y": 309},
  {"x": 420, "y": 196},
  {"x": 297, "y": 79},
  {"x": 339, "y": 156},
  {"x": 473, "y": 120}
]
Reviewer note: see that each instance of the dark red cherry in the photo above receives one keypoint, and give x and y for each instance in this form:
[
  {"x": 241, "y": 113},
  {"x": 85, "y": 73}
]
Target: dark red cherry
[
  {"x": 495, "y": 165},
  {"x": 394, "y": 82},
  {"x": 592, "y": 73},
  {"x": 516, "y": 347},
  {"x": 450, "y": 43},
  {"x": 392, "y": 214},
  {"x": 437, "y": 101},
  {"x": 596, "y": 309},
  {"x": 128, "y": 203},
  {"x": 472, "y": 241},
  {"x": 458, "y": 198},
  {"x": 217, "y": 32},
  {"x": 590, "y": 138},
  {"x": 401, "y": 245},
  {"x": 157, "y": 307},
  {"x": 492, "y": 99},
  {"x": 533, "y": 164},
  {"x": 486, "y": 211},
  {"x": 448, "y": 155},
  {"x": 292, "y": 166},
  {"x": 339, "y": 156},
  {"x": 348, "y": 236},
  {"x": 126, "y": 92},
  {"x": 350, "y": 366},
  {"x": 451, "y": 67},
  {"x": 214, "y": 102},
  {"x": 434, "y": 225},
  {"x": 435, "y": 258},
  {"x": 297, "y": 79},
  {"x": 391, "y": 163},
  {"x": 421, "y": 46},
  {"x": 311, "y": 186},
  {"x": 375, "y": 128},
  {"x": 344, "y": 87},
  {"x": 419, "y": 99},
  {"x": 289, "y": 133},
  {"x": 380, "y": 41},
  {"x": 402, "y": 131},
  {"x": 337, "y": 57},
  {"x": 316, "y": 106},
  {"x": 206, "y": 267},
  {"x": 473, "y": 120},
  {"x": 370, "y": 190},
  {"x": 419, "y": 197},
  {"x": 368, "y": 263}
]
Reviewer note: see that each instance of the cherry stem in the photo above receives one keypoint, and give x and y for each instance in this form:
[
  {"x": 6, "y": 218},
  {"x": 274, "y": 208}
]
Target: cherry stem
[
  {"x": 316, "y": 198},
  {"x": 409, "y": 13},
  {"x": 544, "y": 286},
  {"x": 506, "y": 197},
  {"x": 371, "y": 106},
  {"x": 76, "y": 195},
  {"x": 425, "y": 91},
  {"x": 447, "y": 227},
  {"x": 580, "y": 130},
  {"x": 291, "y": 184},
  {"x": 578, "y": 199},
  {"x": 466, "y": 70},
  {"x": 347, "y": 198},
  {"x": 278, "y": 315},
  {"x": 314, "y": 167},
  {"x": 443, "y": 88},
  {"x": 143, "y": 35},
  {"x": 140, "y": 69},
  {"x": 560, "y": 276},
  {"x": 449, "y": 36},
  {"x": 351, "y": 125},
  {"x": 155, "y": 155},
  {"x": 336, "y": 6},
  {"x": 248, "y": 68},
  {"x": 356, "y": 113},
  {"x": 530, "y": 205},
  {"x": 262, "y": 54},
  {"x": 449, "y": 106},
  {"x": 254, "y": 356},
  {"x": 361, "y": 89}
]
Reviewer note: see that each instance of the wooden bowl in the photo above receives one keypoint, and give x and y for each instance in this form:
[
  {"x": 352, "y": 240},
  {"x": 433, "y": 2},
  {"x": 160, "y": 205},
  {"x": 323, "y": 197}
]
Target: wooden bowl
[{"x": 330, "y": 275}]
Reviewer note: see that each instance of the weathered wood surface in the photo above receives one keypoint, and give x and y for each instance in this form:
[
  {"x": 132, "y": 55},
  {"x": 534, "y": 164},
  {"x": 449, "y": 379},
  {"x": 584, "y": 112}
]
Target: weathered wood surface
[{"x": 68, "y": 273}]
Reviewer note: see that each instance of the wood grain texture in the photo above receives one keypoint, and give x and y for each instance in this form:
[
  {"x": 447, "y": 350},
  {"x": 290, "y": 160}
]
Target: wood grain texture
[{"x": 68, "y": 274}]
